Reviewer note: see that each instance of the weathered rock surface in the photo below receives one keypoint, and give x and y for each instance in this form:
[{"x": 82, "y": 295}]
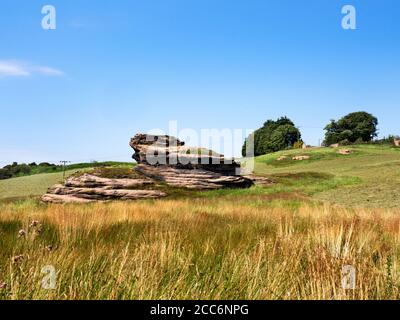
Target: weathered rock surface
[
  {"x": 166, "y": 150},
  {"x": 161, "y": 160},
  {"x": 86, "y": 188},
  {"x": 258, "y": 180},
  {"x": 300, "y": 158},
  {"x": 345, "y": 151},
  {"x": 193, "y": 178},
  {"x": 166, "y": 159},
  {"x": 396, "y": 142},
  {"x": 92, "y": 181},
  {"x": 58, "y": 198}
]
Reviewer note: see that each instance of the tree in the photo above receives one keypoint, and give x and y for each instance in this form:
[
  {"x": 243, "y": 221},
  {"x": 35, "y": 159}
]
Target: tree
[
  {"x": 356, "y": 126},
  {"x": 273, "y": 136}
]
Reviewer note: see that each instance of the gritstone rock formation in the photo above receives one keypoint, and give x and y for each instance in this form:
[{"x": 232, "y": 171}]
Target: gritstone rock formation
[
  {"x": 87, "y": 188},
  {"x": 162, "y": 160},
  {"x": 166, "y": 150},
  {"x": 166, "y": 159}
]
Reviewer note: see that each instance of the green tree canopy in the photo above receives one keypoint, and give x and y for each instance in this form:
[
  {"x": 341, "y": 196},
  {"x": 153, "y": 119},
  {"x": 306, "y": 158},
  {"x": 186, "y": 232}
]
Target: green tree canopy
[
  {"x": 273, "y": 136},
  {"x": 356, "y": 126}
]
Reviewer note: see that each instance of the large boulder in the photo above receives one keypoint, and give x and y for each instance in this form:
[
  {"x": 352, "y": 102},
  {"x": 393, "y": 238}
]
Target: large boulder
[
  {"x": 167, "y": 159},
  {"x": 162, "y": 160},
  {"x": 169, "y": 151}
]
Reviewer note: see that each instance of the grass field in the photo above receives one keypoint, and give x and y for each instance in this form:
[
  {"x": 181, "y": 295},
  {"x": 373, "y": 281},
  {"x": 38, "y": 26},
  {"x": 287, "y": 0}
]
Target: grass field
[
  {"x": 285, "y": 241},
  {"x": 29, "y": 186},
  {"x": 370, "y": 175},
  {"x": 36, "y": 185}
]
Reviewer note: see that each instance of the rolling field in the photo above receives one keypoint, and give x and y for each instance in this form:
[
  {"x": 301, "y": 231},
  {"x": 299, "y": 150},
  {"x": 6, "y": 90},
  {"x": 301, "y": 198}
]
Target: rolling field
[
  {"x": 370, "y": 175},
  {"x": 29, "y": 186},
  {"x": 289, "y": 240}
]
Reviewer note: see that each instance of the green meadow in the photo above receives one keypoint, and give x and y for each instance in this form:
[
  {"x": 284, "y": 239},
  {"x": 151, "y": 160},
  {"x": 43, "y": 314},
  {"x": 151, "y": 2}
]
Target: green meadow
[{"x": 288, "y": 240}]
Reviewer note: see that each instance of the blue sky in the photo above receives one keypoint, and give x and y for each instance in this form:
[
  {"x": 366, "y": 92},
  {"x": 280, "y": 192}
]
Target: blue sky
[{"x": 113, "y": 68}]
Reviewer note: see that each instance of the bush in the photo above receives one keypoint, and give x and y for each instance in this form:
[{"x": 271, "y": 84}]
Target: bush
[
  {"x": 386, "y": 140},
  {"x": 298, "y": 144}
]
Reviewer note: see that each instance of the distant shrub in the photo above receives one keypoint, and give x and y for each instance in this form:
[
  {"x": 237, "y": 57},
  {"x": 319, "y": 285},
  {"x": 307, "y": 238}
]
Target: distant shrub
[
  {"x": 46, "y": 164},
  {"x": 298, "y": 144},
  {"x": 344, "y": 142},
  {"x": 386, "y": 140}
]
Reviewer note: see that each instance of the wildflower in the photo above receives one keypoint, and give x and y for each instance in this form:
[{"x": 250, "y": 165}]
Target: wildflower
[
  {"x": 34, "y": 223},
  {"x": 2, "y": 285},
  {"x": 18, "y": 258},
  {"x": 22, "y": 233}
]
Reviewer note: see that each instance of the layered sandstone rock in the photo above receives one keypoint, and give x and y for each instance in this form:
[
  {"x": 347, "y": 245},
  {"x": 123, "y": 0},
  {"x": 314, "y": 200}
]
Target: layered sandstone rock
[
  {"x": 162, "y": 160},
  {"x": 193, "y": 178},
  {"x": 345, "y": 151},
  {"x": 300, "y": 158},
  {"x": 167, "y": 159},
  {"x": 169, "y": 151},
  {"x": 86, "y": 188}
]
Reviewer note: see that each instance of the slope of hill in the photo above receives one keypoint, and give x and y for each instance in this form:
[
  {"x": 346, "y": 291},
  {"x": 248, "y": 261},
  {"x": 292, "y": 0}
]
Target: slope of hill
[
  {"x": 29, "y": 186},
  {"x": 369, "y": 176},
  {"x": 273, "y": 242},
  {"x": 37, "y": 184},
  {"x": 16, "y": 170}
]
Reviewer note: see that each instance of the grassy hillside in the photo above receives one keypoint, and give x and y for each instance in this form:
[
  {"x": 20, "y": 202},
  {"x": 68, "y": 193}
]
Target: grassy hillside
[
  {"x": 29, "y": 186},
  {"x": 370, "y": 176},
  {"x": 20, "y": 170},
  {"x": 36, "y": 185},
  {"x": 226, "y": 244}
]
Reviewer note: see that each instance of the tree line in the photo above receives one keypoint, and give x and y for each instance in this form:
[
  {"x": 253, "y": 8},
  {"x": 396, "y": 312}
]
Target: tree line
[{"x": 282, "y": 134}]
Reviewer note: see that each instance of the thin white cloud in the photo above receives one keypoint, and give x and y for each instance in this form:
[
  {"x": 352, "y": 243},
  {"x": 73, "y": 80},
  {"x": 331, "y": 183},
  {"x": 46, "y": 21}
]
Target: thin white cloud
[
  {"x": 13, "y": 68},
  {"x": 47, "y": 71}
]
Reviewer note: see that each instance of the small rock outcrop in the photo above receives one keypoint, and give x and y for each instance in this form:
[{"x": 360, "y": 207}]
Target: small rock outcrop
[
  {"x": 396, "y": 142},
  {"x": 345, "y": 151},
  {"x": 86, "y": 188},
  {"x": 300, "y": 158}
]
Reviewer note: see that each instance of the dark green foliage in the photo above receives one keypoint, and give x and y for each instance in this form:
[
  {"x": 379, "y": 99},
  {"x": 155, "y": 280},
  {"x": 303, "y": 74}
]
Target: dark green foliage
[
  {"x": 355, "y": 127},
  {"x": 14, "y": 170},
  {"x": 19, "y": 170},
  {"x": 273, "y": 136},
  {"x": 386, "y": 140}
]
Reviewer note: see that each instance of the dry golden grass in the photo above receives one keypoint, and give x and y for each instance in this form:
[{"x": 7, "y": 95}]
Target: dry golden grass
[{"x": 199, "y": 249}]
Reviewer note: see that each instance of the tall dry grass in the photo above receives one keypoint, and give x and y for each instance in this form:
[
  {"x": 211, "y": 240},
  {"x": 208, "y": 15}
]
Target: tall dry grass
[{"x": 198, "y": 249}]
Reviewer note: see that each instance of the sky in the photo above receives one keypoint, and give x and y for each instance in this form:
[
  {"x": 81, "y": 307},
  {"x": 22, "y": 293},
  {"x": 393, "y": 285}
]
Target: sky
[{"x": 111, "y": 69}]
